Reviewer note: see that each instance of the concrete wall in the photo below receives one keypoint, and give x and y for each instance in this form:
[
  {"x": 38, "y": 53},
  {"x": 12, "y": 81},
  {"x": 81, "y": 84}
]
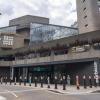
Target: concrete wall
[
  {"x": 26, "y": 20},
  {"x": 18, "y": 41},
  {"x": 71, "y": 56},
  {"x": 88, "y": 14},
  {"x": 24, "y": 32}
]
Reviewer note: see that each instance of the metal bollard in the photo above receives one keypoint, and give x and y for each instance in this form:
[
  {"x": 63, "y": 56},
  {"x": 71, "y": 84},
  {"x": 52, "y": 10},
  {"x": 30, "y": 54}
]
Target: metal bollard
[
  {"x": 56, "y": 82},
  {"x": 41, "y": 82},
  {"x": 64, "y": 83},
  {"x": 20, "y": 80},
  {"x": 1, "y": 80},
  {"x": 95, "y": 84},
  {"x": 77, "y": 82},
  {"x": 68, "y": 80},
  {"x": 15, "y": 81},
  {"x": 30, "y": 80},
  {"x": 25, "y": 81},
  {"x": 5, "y": 80},
  {"x": 99, "y": 80},
  {"x": 35, "y": 80},
  {"x": 48, "y": 82},
  {"x": 84, "y": 82},
  {"x": 90, "y": 82},
  {"x": 11, "y": 80}
]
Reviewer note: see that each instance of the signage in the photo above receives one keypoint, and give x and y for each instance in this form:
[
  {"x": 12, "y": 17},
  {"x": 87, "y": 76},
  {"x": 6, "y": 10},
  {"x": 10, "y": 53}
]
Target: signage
[
  {"x": 8, "y": 40},
  {"x": 78, "y": 49},
  {"x": 95, "y": 68}
]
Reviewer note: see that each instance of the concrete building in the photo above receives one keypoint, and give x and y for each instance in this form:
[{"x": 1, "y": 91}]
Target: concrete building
[
  {"x": 73, "y": 54},
  {"x": 88, "y": 15},
  {"x": 17, "y": 34}
]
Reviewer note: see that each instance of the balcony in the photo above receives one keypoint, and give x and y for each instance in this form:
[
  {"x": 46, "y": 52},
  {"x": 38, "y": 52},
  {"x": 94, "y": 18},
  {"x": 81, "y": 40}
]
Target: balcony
[
  {"x": 56, "y": 58},
  {"x": 5, "y": 63}
]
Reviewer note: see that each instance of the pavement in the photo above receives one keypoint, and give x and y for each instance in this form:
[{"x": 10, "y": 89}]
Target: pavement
[
  {"x": 16, "y": 92},
  {"x": 71, "y": 90}
]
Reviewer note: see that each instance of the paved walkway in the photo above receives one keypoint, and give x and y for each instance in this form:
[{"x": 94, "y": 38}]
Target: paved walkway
[{"x": 69, "y": 89}]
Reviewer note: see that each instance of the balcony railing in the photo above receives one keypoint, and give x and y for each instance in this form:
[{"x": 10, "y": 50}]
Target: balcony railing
[
  {"x": 71, "y": 56},
  {"x": 5, "y": 63}
]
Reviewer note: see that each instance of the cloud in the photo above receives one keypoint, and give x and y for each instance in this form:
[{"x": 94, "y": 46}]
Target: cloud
[{"x": 62, "y": 13}]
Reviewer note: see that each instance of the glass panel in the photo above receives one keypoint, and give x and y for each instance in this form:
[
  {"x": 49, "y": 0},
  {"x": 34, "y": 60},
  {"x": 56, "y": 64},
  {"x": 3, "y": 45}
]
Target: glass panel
[
  {"x": 47, "y": 32},
  {"x": 10, "y": 29}
]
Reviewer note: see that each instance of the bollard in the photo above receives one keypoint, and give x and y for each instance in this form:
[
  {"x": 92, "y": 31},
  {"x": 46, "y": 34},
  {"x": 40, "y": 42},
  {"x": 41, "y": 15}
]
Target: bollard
[
  {"x": 30, "y": 80},
  {"x": 56, "y": 82},
  {"x": 35, "y": 80},
  {"x": 25, "y": 81},
  {"x": 1, "y": 80},
  {"x": 68, "y": 80},
  {"x": 90, "y": 82},
  {"x": 41, "y": 82},
  {"x": 95, "y": 84},
  {"x": 15, "y": 81},
  {"x": 84, "y": 82},
  {"x": 77, "y": 82},
  {"x": 99, "y": 80},
  {"x": 96, "y": 80},
  {"x": 20, "y": 80},
  {"x": 61, "y": 81},
  {"x": 5, "y": 80},
  {"x": 10, "y": 80},
  {"x": 48, "y": 82},
  {"x": 64, "y": 83}
]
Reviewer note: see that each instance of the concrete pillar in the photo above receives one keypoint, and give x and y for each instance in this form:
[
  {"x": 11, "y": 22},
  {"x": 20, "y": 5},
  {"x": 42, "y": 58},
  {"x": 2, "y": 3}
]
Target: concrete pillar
[
  {"x": 25, "y": 72},
  {"x": 12, "y": 73}
]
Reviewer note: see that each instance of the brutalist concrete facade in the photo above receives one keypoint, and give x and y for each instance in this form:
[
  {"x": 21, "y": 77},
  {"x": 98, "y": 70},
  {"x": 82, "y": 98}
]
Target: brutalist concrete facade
[{"x": 88, "y": 15}]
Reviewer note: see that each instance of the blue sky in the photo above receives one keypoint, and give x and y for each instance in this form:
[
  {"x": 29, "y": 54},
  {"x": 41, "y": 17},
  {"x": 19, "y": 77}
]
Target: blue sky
[{"x": 61, "y": 12}]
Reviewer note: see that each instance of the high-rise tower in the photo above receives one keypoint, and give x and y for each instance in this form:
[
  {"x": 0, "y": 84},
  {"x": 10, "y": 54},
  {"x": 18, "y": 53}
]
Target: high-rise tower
[{"x": 88, "y": 13}]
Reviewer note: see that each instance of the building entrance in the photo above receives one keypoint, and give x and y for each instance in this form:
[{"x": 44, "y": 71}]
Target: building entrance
[{"x": 59, "y": 70}]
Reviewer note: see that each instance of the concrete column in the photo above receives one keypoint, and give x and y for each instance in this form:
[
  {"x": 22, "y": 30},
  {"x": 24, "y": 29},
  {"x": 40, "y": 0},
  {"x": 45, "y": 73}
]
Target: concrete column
[
  {"x": 25, "y": 72},
  {"x": 12, "y": 72},
  {"x": 96, "y": 63}
]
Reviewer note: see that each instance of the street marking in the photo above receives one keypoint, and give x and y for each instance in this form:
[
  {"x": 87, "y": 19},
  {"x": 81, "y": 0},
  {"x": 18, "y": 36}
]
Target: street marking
[
  {"x": 18, "y": 91},
  {"x": 12, "y": 93},
  {"x": 2, "y": 98},
  {"x": 70, "y": 93}
]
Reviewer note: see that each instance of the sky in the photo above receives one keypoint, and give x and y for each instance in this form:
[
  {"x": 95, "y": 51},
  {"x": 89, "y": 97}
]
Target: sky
[{"x": 60, "y": 12}]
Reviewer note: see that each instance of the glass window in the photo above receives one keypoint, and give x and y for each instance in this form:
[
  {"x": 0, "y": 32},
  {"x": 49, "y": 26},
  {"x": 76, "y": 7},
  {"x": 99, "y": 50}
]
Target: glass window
[{"x": 47, "y": 32}]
